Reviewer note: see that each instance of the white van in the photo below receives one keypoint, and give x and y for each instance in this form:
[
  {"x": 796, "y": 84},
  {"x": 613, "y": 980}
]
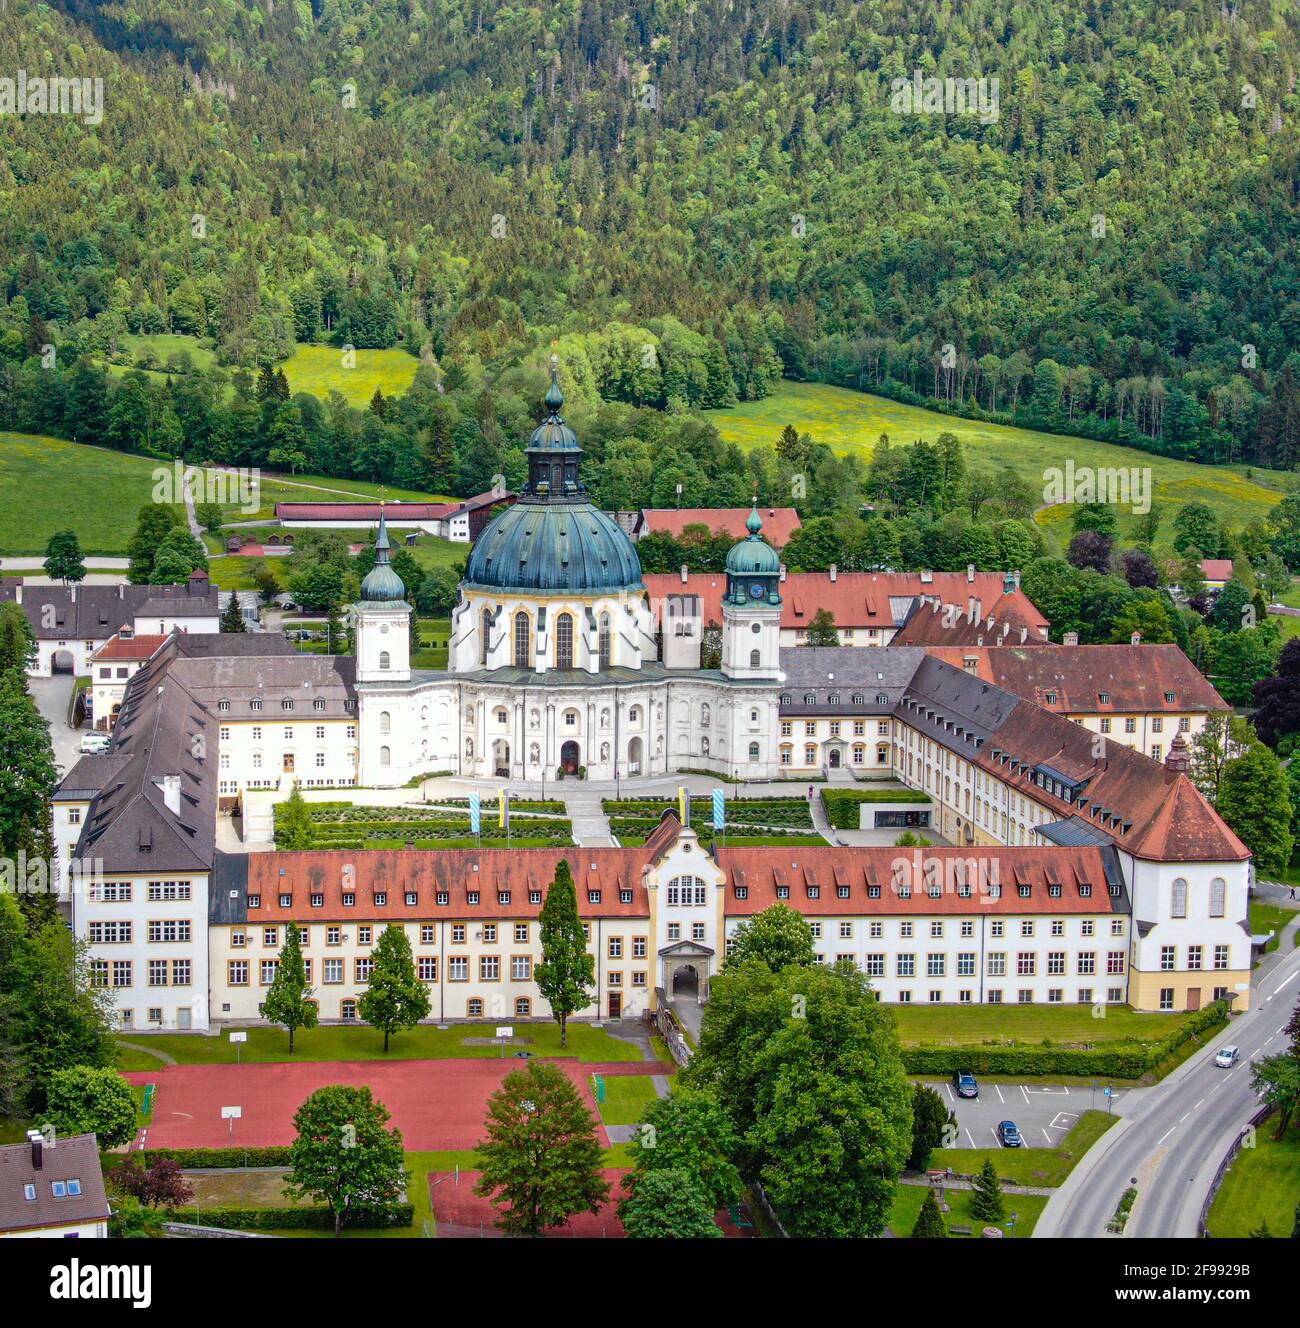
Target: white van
[{"x": 94, "y": 742}]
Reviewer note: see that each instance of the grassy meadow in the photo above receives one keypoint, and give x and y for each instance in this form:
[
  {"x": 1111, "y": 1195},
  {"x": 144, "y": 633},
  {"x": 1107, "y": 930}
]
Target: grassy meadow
[{"x": 852, "y": 422}]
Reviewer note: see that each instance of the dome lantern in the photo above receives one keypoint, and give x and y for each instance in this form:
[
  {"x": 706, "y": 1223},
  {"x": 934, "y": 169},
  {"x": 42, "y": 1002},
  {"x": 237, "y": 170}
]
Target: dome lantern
[{"x": 382, "y": 585}]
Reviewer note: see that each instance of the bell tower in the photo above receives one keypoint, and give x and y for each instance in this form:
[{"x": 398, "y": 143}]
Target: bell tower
[
  {"x": 383, "y": 639},
  {"x": 751, "y": 607}
]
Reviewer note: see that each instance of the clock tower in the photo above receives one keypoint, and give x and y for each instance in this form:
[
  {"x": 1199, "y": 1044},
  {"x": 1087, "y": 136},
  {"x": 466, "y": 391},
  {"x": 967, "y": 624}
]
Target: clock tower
[{"x": 751, "y": 607}]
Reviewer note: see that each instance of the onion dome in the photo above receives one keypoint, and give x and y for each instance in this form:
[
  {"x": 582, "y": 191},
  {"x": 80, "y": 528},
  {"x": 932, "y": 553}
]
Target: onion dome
[
  {"x": 753, "y": 556},
  {"x": 382, "y": 585},
  {"x": 553, "y": 540}
]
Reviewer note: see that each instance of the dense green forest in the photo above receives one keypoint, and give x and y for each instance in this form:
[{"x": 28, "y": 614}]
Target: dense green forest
[{"x": 687, "y": 200}]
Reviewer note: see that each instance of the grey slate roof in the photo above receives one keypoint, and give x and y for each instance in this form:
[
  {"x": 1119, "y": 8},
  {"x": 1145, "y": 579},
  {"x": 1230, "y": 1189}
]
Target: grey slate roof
[
  {"x": 938, "y": 695},
  {"x": 228, "y": 897},
  {"x": 95, "y": 612},
  {"x": 844, "y": 672},
  {"x": 73, "y": 1158}
]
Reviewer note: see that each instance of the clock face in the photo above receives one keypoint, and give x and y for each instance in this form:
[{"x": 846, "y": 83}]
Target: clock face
[{"x": 756, "y": 591}]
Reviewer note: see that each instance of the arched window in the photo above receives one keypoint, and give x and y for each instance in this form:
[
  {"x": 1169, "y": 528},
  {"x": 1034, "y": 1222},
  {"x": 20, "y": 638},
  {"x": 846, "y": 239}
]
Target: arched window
[
  {"x": 605, "y": 641},
  {"x": 1218, "y": 897},
  {"x": 564, "y": 641},
  {"x": 634, "y": 715},
  {"x": 523, "y": 655},
  {"x": 385, "y": 722},
  {"x": 753, "y": 751},
  {"x": 502, "y": 715},
  {"x": 753, "y": 659},
  {"x": 385, "y": 756},
  {"x": 485, "y": 634},
  {"x": 384, "y": 659},
  {"x": 1178, "y": 900}
]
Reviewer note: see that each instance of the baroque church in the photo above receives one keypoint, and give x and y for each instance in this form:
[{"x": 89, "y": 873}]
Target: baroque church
[{"x": 559, "y": 661}]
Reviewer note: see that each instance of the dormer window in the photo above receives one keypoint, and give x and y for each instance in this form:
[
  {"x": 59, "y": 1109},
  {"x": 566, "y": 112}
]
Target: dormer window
[
  {"x": 255, "y": 703},
  {"x": 1103, "y": 698},
  {"x": 318, "y": 703},
  {"x": 858, "y": 698},
  {"x": 286, "y": 704},
  {"x": 223, "y": 706}
]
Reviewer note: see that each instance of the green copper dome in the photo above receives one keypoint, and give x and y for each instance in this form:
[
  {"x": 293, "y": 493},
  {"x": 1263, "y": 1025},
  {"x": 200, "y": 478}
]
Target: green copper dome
[
  {"x": 553, "y": 541},
  {"x": 753, "y": 556},
  {"x": 382, "y": 584}
]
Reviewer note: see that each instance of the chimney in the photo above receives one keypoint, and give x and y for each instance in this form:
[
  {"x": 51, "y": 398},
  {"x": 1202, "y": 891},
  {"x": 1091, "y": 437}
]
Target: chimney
[
  {"x": 783, "y": 572},
  {"x": 1179, "y": 759},
  {"x": 970, "y": 574},
  {"x": 971, "y": 615},
  {"x": 977, "y": 605},
  {"x": 38, "y": 1149},
  {"x": 171, "y": 791},
  {"x": 1070, "y": 639},
  {"x": 1016, "y": 574},
  {"x": 927, "y": 578},
  {"x": 1024, "y": 635},
  {"x": 685, "y": 573},
  {"x": 833, "y": 571},
  {"x": 1135, "y": 639},
  {"x": 72, "y": 593},
  {"x": 121, "y": 591}
]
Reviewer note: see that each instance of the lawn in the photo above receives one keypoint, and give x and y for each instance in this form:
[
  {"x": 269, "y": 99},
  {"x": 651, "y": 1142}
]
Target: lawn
[
  {"x": 626, "y": 1098},
  {"x": 315, "y": 369},
  {"x": 947, "y": 1025},
  {"x": 426, "y": 1042},
  {"x": 1031, "y": 1166},
  {"x": 1261, "y": 1185},
  {"x": 852, "y": 422},
  {"x": 90, "y": 490},
  {"x": 908, "y": 1199},
  {"x": 1266, "y": 917}
]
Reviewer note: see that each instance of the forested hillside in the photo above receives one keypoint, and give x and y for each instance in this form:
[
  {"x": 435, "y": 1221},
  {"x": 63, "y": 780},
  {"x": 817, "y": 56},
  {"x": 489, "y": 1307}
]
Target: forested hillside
[{"x": 1115, "y": 254}]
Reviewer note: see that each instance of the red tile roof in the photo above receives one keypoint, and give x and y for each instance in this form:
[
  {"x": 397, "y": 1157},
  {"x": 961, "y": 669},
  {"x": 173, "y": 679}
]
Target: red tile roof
[
  {"x": 395, "y": 871},
  {"x": 1216, "y": 569},
  {"x": 855, "y": 599},
  {"x": 368, "y": 513},
  {"x": 779, "y": 523},
  {"x": 131, "y": 647},
  {"x": 1007, "y": 619},
  {"x": 1134, "y": 679},
  {"x": 1148, "y": 809},
  {"x": 761, "y": 871}
]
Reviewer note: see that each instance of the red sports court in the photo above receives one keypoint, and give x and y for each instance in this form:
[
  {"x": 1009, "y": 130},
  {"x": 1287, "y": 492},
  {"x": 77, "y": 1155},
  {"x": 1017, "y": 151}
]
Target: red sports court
[{"x": 436, "y": 1104}]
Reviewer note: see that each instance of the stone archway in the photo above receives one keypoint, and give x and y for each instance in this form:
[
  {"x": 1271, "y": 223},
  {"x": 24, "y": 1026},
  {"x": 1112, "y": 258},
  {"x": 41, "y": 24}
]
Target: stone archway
[
  {"x": 62, "y": 661},
  {"x": 833, "y": 758},
  {"x": 501, "y": 758},
  {"x": 569, "y": 757},
  {"x": 685, "y": 982},
  {"x": 634, "y": 757}
]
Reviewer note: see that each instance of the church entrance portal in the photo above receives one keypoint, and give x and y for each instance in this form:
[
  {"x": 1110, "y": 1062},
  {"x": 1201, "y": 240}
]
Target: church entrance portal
[{"x": 569, "y": 758}]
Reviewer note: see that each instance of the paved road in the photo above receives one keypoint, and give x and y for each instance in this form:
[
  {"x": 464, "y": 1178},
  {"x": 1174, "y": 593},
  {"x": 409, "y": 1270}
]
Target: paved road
[
  {"x": 51, "y": 697},
  {"x": 1172, "y": 1146}
]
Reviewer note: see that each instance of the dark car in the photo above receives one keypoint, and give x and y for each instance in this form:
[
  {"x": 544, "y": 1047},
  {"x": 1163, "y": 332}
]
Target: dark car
[
  {"x": 1009, "y": 1135},
  {"x": 964, "y": 1082}
]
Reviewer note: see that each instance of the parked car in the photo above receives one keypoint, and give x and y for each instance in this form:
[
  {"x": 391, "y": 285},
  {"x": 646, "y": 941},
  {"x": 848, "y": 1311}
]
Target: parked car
[
  {"x": 1009, "y": 1135},
  {"x": 1227, "y": 1057},
  {"x": 964, "y": 1082},
  {"x": 94, "y": 742}
]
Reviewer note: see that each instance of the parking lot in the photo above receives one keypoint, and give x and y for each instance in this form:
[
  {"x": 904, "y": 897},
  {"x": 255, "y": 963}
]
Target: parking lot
[{"x": 1045, "y": 1113}]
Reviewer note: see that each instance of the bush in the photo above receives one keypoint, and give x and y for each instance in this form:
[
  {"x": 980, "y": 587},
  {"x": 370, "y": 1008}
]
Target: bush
[
  {"x": 294, "y": 1219},
  {"x": 842, "y": 805},
  {"x": 197, "y": 1159}
]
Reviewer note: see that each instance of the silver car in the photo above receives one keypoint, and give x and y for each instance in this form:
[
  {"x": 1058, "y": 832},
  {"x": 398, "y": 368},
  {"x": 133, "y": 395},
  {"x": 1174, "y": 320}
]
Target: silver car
[{"x": 1227, "y": 1057}]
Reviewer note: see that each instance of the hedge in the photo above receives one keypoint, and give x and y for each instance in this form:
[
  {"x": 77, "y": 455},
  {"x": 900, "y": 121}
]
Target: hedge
[
  {"x": 1128, "y": 1060},
  {"x": 198, "y": 1159},
  {"x": 842, "y": 804},
  {"x": 293, "y": 1219}
]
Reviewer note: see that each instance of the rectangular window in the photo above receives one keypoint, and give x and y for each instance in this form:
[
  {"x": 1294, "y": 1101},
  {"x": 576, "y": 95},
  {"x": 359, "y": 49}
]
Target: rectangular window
[
  {"x": 1168, "y": 957},
  {"x": 332, "y": 970},
  {"x": 1220, "y": 956},
  {"x": 1026, "y": 964},
  {"x": 521, "y": 968},
  {"x": 458, "y": 969},
  {"x": 237, "y": 972},
  {"x": 905, "y": 966},
  {"x": 1114, "y": 961},
  {"x": 874, "y": 965},
  {"x": 997, "y": 964},
  {"x": 489, "y": 968},
  {"x": 1055, "y": 962},
  {"x": 426, "y": 966}
]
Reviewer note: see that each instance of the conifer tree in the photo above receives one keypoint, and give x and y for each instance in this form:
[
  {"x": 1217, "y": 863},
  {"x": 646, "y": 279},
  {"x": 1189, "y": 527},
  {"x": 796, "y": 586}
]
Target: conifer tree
[
  {"x": 289, "y": 999},
  {"x": 567, "y": 972},
  {"x": 986, "y": 1205},
  {"x": 929, "y": 1222}
]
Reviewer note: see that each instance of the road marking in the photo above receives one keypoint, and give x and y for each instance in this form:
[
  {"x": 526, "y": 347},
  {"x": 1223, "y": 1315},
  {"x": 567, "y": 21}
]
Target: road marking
[
  {"x": 1166, "y": 1135},
  {"x": 951, "y": 1098},
  {"x": 999, "y": 1088},
  {"x": 1280, "y": 985},
  {"x": 971, "y": 1137},
  {"x": 1025, "y": 1091},
  {"x": 1198, "y": 1104},
  {"x": 1048, "y": 1137}
]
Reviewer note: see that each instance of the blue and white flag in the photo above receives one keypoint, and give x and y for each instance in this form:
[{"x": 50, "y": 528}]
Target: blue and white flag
[
  {"x": 474, "y": 821},
  {"x": 719, "y": 808}
]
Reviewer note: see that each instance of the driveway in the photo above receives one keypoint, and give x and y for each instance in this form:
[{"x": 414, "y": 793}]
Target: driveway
[{"x": 51, "y": 696}]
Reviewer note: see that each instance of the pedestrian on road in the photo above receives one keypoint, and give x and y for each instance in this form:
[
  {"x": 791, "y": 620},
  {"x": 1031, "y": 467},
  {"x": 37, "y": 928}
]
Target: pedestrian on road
[
  {"x": 1293, "y": 892},
  {"x": 810, "y": 797}
]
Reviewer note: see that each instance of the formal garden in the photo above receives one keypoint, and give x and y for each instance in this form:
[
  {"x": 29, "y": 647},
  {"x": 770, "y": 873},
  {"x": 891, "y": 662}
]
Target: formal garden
[{"x": 746, "y": 820}]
